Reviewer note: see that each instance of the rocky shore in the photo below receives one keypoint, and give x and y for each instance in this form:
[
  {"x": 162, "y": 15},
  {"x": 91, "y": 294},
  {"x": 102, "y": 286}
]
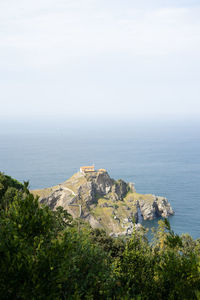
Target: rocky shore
[{"x": 113, "y": 205}]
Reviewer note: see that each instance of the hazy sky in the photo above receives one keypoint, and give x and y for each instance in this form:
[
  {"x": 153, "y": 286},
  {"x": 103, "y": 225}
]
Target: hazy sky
[{"x": 99, "y": 58}]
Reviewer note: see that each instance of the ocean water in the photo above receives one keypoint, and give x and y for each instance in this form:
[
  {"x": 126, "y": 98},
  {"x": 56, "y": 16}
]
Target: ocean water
[{"x": 162, "y": 158}]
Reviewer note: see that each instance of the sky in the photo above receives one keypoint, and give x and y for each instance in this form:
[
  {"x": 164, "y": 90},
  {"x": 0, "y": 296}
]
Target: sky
[{"x": 99, "y": 58}]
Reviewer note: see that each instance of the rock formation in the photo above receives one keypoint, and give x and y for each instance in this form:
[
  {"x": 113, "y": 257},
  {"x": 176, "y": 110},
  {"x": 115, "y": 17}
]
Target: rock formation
[{"x": 104, "y": 202}]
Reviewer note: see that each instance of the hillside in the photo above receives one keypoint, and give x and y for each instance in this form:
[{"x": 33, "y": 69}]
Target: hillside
[
  {"x": 113, "y": 205},
  {"x": 46, "y": 255}
]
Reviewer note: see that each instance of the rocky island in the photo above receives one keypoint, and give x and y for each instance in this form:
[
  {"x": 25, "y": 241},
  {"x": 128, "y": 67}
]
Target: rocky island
[{"x": 113, "y": 205}]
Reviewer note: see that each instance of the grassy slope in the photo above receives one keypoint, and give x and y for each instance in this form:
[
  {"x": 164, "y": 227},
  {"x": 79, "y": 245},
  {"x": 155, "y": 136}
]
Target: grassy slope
[
  {"x": 119, "y": 209},
  {"x": 72, "y": 183}
]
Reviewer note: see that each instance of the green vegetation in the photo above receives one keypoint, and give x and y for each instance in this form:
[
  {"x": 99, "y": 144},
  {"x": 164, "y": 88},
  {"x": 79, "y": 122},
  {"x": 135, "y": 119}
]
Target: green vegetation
[
  {"x": 107, "y": 213},
  {"x": 44, "y": 254},
  {"x": 8, "y": 189}
]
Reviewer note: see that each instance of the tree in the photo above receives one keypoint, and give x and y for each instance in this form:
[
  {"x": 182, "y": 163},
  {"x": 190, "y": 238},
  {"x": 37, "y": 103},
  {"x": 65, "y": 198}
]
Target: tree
[{"x": 42, "y": 256}]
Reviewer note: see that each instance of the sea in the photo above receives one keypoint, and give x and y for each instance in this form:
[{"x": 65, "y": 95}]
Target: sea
[{"x": 160, "y": 157}]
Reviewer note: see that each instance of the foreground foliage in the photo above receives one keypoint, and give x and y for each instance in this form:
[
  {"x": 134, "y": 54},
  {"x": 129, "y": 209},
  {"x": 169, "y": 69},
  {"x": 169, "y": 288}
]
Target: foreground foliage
[{"x": 47, "y": 255}]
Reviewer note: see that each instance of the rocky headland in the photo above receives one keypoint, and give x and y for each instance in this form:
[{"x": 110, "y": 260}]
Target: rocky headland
[{"x": 113, "y": 205}]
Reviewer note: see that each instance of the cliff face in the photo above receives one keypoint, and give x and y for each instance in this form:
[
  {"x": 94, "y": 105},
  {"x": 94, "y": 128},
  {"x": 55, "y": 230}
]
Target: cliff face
[{"x": 104, "y": 202}]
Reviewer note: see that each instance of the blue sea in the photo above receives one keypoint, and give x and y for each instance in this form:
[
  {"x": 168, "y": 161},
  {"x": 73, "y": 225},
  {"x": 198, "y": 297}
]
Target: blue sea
[{"x": 160, "y": 157}]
